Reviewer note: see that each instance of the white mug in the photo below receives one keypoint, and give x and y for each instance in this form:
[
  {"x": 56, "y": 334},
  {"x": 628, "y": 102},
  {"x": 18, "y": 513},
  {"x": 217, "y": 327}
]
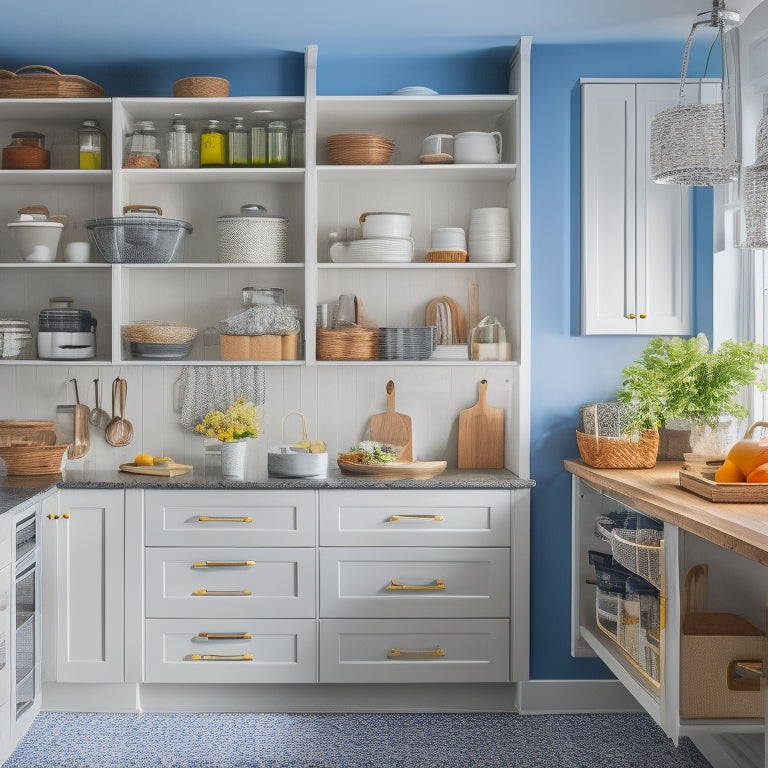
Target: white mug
[
  {"x": 437, "y": 144},
  {"x": 477, "y": 147},
  {"x": 77, "y": 252}
]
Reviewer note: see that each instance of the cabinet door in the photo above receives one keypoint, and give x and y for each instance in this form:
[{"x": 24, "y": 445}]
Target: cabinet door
[
  {"x": 635, "y": 234},
  {"x": 83, "y": 545}
]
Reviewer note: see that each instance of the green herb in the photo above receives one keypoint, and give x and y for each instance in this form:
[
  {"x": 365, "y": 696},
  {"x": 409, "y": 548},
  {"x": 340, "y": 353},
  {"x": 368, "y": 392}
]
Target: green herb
[
  {"x": 375, "y": 452},
  {"x": 679, "y": 378}
]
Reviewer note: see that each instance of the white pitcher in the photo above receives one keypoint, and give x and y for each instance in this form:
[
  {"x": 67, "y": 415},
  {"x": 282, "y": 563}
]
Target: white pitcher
[{"x": 477, "y": 147}]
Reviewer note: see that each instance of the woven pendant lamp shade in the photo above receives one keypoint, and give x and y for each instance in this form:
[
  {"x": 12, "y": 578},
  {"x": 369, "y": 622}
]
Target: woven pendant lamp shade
[
  {"x": 696, "y": 144},
  {"x": 755, "y": 192}
]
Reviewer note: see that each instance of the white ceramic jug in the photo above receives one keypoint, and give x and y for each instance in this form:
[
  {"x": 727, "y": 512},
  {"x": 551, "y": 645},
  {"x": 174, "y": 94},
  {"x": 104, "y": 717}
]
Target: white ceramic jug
[{"x": 477, "y": 147}]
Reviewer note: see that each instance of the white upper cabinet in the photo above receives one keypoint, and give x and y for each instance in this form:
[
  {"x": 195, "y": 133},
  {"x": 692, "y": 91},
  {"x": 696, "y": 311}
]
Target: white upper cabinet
[{"x": 635, "y": 234}]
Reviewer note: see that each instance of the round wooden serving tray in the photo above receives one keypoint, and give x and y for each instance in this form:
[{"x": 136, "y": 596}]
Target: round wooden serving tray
[{"x": 395, "y": 470}]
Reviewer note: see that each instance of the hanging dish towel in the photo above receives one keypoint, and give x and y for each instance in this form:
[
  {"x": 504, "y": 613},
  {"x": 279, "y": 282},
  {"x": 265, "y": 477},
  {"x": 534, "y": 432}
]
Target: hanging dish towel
[{"x": 203, "y": 388}]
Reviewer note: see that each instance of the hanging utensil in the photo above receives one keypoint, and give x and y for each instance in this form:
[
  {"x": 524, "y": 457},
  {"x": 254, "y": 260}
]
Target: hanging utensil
[
  {"x": 98, "y": 417},
  {"x": 119, "y": 431},
  {"x": 81, "y": 443}
]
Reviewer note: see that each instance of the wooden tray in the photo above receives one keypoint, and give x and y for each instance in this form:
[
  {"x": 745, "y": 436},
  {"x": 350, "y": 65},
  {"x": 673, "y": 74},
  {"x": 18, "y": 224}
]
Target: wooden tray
[
  {"x": 395, "y": 470},
  {"x": 169, "y": 470},
  {"x": 735, "y": 493}
]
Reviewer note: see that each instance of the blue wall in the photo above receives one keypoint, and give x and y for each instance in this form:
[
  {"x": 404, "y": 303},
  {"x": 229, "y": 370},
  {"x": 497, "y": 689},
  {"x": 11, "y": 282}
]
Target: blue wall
[{"x": 567, "y": 370}]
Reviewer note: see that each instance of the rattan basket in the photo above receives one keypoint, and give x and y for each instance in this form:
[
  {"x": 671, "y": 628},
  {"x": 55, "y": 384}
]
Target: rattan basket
[
  {"x": 201, "y": 87},
  {"x": 447, "y": 256},
  {"x": 45, "y": 83},
  {"x": 158, "y": 332},
  {"x": 360, "y": 149},
  {"x": 347, "y": 343},
  {"x": 619, "y": 452},
  {"x": 32, "y": 459}
]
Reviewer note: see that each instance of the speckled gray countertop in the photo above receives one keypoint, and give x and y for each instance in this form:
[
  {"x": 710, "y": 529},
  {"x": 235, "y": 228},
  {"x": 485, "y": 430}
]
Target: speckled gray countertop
[{"x": 17, "y": 491}]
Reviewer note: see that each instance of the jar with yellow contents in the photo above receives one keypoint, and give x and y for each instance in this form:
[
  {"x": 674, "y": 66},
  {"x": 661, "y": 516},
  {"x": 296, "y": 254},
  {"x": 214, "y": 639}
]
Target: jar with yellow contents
[{"x": 213, "y": 146}]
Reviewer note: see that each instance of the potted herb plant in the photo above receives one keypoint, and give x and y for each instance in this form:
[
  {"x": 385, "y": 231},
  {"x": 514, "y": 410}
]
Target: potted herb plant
[{"x": 683, "y": 379}]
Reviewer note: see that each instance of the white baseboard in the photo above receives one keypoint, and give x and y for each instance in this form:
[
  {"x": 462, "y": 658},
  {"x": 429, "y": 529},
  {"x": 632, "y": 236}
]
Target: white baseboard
[{"x": 553, "y": 696}]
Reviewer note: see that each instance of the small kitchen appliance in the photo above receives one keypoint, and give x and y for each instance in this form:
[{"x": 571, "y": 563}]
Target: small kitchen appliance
[{"x": 65, "y": 333}]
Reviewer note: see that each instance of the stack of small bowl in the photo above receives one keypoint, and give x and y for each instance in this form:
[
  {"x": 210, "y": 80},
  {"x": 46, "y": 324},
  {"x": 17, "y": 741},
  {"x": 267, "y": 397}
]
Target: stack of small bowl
[{"x": 360, "y": 149}]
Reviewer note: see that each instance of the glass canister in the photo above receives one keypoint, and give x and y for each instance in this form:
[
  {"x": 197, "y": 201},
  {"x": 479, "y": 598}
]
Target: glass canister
[
  {"x": 143, "y": 146},
  {"x": 26, "y": 151},
  {"x": 237, "y": 143},
  {"x": 277, "y": 144},
  {"x": 213, "y": 145},
  {"x": 91, "y": 140},
  {"x": 253, "y": 296},
  {"x": 259, "y": 145},
  {"x": 297, "y": 143},
  {"x": 180, "y": 145}
]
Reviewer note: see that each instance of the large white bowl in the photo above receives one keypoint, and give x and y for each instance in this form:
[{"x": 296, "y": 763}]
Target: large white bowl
[
  {"x": 36, "y": 240},
  {"x": 283, "y": 461},
  {"x": 384, "y": 224}
]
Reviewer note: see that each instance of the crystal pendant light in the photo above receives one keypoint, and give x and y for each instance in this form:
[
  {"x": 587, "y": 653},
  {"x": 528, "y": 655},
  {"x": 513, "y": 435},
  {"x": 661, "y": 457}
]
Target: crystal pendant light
[{"x": 697, "y": 144}]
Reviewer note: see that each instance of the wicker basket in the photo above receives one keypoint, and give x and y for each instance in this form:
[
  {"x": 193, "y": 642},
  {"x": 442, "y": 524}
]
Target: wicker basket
[
  {"x": 32, "y": 459},
  {"x": 619, "y": 452},
  {"x": 158, "y": 332},
  {"x": 201, "y": 87},
  {"x": 46, "y": 83},
  {"x": 360, "y": 149},
  {"x": 16, "y": 433},
  {"x": 347, "y": 344},
  {"x": 447, "y": 256}
]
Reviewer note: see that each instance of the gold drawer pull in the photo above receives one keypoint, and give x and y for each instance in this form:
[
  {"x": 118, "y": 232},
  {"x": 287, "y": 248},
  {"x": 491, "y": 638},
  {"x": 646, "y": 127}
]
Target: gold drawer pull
[
  {"x": 395, "y": 518},
  {"x": 205, "y": 519},
  {"x": 396, "y": 585},
  {"x": 224, "y": 636},
  {"x": 222, "y": 592},
  {"x": 221, "y": 657},
  {"x": 223, "y": 563},
  {"x": 432, "y": 653}
]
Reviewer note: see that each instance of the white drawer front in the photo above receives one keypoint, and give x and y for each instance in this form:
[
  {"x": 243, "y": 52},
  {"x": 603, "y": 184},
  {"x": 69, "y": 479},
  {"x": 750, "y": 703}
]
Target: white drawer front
[
  {"x": 404, "y": 582},
  {"x": 235, "y": 651},
  {"x": 414, "y": 651},
  {"x": 415, "y": 518},
  {"x": 230, "y": 518},
  {"x": 272, "y": 583}
]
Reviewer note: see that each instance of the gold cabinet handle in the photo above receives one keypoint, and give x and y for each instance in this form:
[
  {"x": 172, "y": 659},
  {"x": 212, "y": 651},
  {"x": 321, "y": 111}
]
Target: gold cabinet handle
[
  {"x": 224, "y": 564},
  {"x": 631, "y": 316},
  {"x": 221, "y": 592},
  {"x": 395, "y": 518},
  {"x": 221, "y": 657},
  {"x": 401, "y": 653},
  {"x": 643, "y": 315},
  {"x": 206, "y": 519},
  {"x": 396, "y": 585},
  {"x": 65, "y": 515},
  {"x": 224, "y": 636},
  {"x": 53, "y": 516}
]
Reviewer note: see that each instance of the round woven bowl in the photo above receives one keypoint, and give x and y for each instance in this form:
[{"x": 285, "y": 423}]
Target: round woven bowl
[
  {"x": 619, "y": 452},
  {"x": 33, "y": 459},
  {"x": 159, "y": 332},
  {"x": 447, "y": 256},
  {"x": 201, "y": 87}
]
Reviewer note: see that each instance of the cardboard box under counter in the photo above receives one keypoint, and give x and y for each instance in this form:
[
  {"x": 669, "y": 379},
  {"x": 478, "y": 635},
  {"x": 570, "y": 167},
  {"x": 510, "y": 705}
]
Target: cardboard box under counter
[{"x": 264, "y": 347}]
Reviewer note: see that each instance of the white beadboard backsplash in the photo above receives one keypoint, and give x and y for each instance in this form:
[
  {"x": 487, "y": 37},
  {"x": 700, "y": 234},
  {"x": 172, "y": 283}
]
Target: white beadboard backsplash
[{"x": 337, "y": 402}]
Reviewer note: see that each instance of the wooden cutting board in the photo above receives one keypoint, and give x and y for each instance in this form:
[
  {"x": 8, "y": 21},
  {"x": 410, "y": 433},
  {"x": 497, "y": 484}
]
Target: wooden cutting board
[
  {"x": 169, "y": 470},
  {"x": 458, "y": 319},
  {"x": 735, "y": 493},
  {"x": 392, "y": 427},
  {"x": 481, "y": 434}
]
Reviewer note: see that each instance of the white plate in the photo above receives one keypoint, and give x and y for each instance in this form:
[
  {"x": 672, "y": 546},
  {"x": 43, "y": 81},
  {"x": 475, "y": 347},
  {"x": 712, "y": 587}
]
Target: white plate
[{"x": 372, "y": 250}]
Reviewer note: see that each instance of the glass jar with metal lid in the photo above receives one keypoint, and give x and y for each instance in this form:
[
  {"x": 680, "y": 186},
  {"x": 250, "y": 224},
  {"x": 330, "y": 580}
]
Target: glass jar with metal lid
[
  {"x": 213, "y": 145},
  {"x": 180, "y": 145},
  {"x": 143, "y": 147},
  {"x": 91, "y": 140},
  {"x": 26, "y": 152},
  {"x": 277, "y": 144}
]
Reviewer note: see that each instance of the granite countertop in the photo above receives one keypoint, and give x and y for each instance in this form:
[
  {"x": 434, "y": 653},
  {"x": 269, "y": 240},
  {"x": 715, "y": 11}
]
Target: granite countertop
[{"x": 19, "y": 490}]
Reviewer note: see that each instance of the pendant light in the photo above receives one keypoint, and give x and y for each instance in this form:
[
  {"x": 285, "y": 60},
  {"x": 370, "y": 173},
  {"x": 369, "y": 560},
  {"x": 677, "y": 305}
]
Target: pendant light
[
  {"x": 755, "y": 192},
  {"x": 697, "y": 144}
]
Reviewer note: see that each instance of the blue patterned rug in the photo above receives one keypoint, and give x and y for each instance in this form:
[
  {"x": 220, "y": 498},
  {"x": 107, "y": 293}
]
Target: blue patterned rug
[{"x": 474, "y": 740}]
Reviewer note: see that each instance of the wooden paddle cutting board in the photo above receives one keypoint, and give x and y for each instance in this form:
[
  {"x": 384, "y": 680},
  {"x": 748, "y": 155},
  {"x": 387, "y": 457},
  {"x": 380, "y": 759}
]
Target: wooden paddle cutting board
[
  {"x": 481, "y": 434},
  {"x": 392, "y": 427}
]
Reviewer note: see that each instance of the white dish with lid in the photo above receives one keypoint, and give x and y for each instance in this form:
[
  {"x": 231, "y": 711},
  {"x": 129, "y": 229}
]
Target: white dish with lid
[{"x": 385, "y": 224}]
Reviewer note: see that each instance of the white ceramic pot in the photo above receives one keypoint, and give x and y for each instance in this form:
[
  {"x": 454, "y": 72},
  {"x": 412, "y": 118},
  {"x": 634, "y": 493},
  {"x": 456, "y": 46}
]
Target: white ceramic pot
[
  {"x": 36, "y": 240},
  {"x": 384, "y": 224},
  {"x": 477, "y": 147},
  {"x": 449, "y": 239},
  {"x": 233, "y": 455}
]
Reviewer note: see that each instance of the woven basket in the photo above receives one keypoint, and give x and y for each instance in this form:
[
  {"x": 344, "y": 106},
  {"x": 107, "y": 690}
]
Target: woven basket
[
  {"x": 32, "y": 459},
  {"x": 347, "y": 344},
  {"x": 360, "y": 149},
  {"x": 26, "y": 433},
  {"x": 46, "y": 83},
  {"x": 447, "y": 256},
  {"x": 201, "y": 87},
  {"x": 619, "y": 452},
  {"x": 159, "y": 332}
]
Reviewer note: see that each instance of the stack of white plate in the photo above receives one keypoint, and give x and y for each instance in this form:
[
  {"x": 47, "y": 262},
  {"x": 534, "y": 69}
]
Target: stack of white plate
[
  {"x": 489, "y": 235},
  {"x": 414, "y": 90},
  {"x": 372, "y": 250}
]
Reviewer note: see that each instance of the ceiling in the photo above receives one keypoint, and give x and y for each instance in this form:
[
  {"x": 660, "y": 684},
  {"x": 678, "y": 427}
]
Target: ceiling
[{"x": 79, "y": 31}]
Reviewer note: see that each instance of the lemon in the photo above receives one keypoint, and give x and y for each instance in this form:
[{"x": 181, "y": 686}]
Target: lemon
[
  {"x": 317, "y": 446},
  {"x": 143, "y": 460}
]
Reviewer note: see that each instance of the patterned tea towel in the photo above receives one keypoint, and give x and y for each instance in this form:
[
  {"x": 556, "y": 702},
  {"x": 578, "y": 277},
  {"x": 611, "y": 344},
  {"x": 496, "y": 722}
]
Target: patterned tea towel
[{"x": 204, "y": 388}]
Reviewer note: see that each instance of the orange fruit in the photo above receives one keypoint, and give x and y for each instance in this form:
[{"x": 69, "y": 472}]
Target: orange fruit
[
  {"x": 758, "y": 474},
  {"x": 728, "y": 472},
  {"x": 143, "y": 460},
  {"x": 748, "y": 454}
]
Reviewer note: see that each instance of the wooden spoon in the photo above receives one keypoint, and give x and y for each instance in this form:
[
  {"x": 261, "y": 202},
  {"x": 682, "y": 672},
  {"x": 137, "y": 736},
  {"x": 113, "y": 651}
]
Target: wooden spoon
[{"x": 119, "y": 431}]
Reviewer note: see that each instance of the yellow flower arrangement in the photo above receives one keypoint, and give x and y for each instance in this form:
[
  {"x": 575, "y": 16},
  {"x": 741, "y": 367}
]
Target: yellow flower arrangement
[{"x": 239, "y": 421}]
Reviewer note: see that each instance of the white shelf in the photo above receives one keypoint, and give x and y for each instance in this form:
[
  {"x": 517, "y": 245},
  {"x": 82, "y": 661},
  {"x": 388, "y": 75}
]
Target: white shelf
[
  {"x": 211, "y": 265},
  {"x": 448, "y": 173},
  {"x": 432, "y": 363},
  {"x": 54, "y": 265},
  {"x": 54, "y": 177},
  {"x": 418, "y": 265},
  {"x": 212, "y": 175}
]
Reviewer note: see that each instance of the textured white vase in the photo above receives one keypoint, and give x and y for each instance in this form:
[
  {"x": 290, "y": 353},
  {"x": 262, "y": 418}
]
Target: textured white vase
[
  {"x": 233, "y": 458},
  {"x": 714, "y": 441}
]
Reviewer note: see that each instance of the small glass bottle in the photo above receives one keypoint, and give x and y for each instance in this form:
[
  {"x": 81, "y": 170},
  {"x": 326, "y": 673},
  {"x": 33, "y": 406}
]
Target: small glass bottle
[
  {"x": 91, "y": 140},
  {"x": 213, "y": 146},
  {"x": 238, "y": 143},
  {"x": 180, "y": 145},
  {"x": 297, "y": 143},
  {"x": 259, "y": 145},
  {"x": 277, "y": 144}
]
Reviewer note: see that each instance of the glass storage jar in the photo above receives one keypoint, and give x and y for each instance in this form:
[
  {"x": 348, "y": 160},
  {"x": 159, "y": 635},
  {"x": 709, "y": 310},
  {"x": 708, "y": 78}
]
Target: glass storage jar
[
  {"x": 297, "y": 143},
  {"x": 26, "y": 152},
  {"x": 259, "y": 145},
  {"x": 143, "y": 146},
  {"x": 91, "y": 141},
  {"x": 181, "y": 151},
  {"x": 213, "y": 146},
  {"x": 277, "y": 144},
  {"x": 237, "y": 143}
]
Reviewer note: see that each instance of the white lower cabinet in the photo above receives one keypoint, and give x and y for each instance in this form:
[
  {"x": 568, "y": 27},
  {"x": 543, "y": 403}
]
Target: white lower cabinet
[{"x": 83, "y": 587}]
